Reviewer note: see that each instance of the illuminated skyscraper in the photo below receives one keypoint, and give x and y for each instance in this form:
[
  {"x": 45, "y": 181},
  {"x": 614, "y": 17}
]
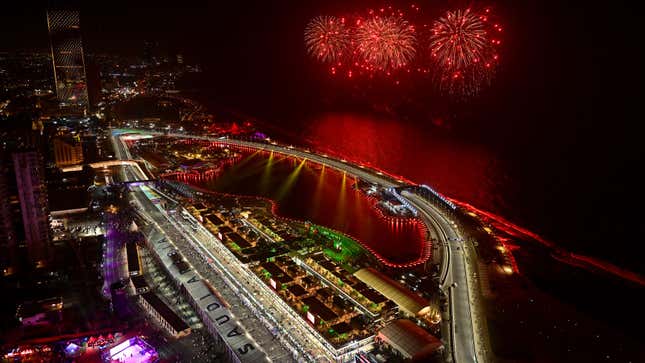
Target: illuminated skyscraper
[{"x": 67, "y": 57}]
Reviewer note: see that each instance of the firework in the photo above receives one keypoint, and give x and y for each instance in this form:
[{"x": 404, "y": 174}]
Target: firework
[
  {"x": 327, "y": 38},
  {"x": 385, "y": 43},
  {"x": 463, "y": 46}
]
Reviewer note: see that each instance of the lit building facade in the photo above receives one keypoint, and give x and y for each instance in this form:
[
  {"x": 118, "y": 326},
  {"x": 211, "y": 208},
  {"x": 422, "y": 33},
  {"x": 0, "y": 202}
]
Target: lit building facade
[
  {"x": 32, "y": 193},
  {"x": 67, "y": 58},
  {"x": 67, "y": 151}
]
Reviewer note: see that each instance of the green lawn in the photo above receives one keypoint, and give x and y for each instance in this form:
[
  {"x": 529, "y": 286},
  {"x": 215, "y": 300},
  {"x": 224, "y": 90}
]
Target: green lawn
[{"x": 344, "y": 249}]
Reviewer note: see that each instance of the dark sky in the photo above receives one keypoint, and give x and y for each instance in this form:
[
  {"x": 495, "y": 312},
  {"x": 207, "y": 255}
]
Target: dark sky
[{"x": 560, "y": 108}]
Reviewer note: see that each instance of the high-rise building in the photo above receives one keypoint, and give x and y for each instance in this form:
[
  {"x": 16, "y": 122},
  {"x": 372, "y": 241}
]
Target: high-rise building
[
  {"x": 67, "y": 58},
  {"x": 67, "y": 151},
  {"x": 32, "y": 193},
  {"x": 8, "y": 236},
  {"x": 149, "y": 50}
]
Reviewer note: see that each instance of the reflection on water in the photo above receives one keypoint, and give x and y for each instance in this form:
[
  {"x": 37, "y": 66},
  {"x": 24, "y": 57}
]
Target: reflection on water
[{"x": 308, "y": 191}]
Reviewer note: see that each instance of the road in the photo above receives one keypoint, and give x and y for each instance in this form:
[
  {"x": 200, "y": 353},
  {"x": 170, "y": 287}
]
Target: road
[
  {"x": 454, "y": 278},
  {"x": 464, "y": 339},
  {"x": 114, "y": 257}
]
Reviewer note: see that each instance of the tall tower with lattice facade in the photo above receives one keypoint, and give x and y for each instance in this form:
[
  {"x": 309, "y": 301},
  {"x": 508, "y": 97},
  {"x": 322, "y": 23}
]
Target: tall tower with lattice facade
[{"x": 67, "y": 58}]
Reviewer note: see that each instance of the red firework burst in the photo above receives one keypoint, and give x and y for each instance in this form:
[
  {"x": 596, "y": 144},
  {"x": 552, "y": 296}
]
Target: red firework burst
[
  {"x": 385, "y": 42},
  {"x": 463, "y": 46},
  {"x": 327, "y": 38}
]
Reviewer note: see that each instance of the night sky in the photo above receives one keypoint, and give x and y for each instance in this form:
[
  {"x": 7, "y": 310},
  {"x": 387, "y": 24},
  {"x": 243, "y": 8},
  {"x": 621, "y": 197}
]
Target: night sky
[{"x": 558, "y": 114}]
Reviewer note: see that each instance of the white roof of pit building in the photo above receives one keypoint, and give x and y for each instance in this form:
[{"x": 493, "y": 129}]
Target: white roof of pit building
[
  {"x": 408, "y": 338},
  {"x": 406, "y": 299}
]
